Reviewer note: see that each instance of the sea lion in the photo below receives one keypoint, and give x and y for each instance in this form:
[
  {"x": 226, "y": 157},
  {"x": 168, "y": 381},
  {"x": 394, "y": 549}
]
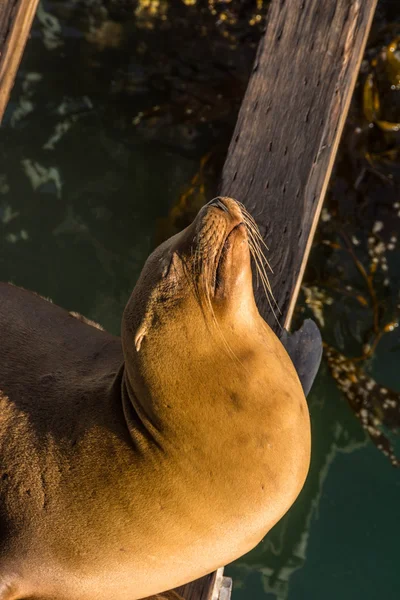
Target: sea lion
[{"x": 132, "y": 466}]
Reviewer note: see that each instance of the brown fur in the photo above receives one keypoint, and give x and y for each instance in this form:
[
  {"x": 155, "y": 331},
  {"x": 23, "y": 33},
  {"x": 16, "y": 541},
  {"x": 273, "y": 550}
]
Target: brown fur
[
  {"x": 80, "y": 317},
  {"x": 128, "y": 470}
]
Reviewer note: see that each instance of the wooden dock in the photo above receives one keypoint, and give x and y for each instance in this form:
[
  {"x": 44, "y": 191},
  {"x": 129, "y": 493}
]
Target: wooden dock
[{"x": 284, "y": 145}]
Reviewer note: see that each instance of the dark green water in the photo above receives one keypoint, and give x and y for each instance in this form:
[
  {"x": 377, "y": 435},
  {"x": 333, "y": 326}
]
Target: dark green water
[{"x": 83, "y": 186}]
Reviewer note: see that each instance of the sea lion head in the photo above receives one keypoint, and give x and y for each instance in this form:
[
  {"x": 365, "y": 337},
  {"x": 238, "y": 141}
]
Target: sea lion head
[
  {"x": 193, "y": 311},
  {"x": 200, "y": 278}
]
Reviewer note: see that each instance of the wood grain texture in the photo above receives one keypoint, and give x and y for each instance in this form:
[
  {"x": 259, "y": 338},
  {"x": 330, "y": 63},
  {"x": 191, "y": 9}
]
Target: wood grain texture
[
  {"x": 225, "y": 589},
  {"x": 282, "y": 151},
  {"x": 15, "y": 22},
  {"x": 202, "y": 589}
]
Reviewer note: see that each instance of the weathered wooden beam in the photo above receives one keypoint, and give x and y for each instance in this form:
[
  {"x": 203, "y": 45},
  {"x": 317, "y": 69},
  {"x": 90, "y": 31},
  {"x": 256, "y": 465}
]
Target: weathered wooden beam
[
  {"x": 288, "y": 130},
  {"x": 212, "y": 587},
  {"x": 282, "y": 151},
  {"x": 201, "y": 589},
  {"x": 16, "y": 18}
]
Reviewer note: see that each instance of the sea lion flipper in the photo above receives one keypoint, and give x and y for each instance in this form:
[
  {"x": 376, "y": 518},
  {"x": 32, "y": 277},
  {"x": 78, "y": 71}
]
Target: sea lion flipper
[{"x": 304, "y": 347}]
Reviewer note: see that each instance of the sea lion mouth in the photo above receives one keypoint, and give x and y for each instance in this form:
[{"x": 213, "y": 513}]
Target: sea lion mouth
[
  {"x": 223, "y": 254},
  {"x": 218, "y": 251}
]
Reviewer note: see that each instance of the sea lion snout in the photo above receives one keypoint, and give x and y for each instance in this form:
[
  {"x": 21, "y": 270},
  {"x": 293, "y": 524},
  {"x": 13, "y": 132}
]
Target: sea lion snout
[{"x": 230, "y": 207}]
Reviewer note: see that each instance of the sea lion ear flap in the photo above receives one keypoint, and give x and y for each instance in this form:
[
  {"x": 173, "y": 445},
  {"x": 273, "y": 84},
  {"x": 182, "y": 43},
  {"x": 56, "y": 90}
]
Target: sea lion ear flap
[
  {"x": 141, "y": 332},
  {"x": 304, "y": 347}
]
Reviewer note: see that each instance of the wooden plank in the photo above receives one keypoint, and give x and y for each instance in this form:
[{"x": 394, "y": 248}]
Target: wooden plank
[
  {"x": 16, "y": 18},
  {"x": 212, "y": 587},
  {"x": 225, "y": 589},
  {"x": 201, "y": 589},
  {"x": 289, "y": 126},
  {"x": 288, "y": 130}
]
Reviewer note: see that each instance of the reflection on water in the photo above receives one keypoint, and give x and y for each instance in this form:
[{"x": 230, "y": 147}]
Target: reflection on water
[{"x": 114, "y": 136}]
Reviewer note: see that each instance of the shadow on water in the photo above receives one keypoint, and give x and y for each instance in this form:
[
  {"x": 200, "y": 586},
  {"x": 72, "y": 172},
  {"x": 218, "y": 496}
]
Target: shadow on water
[{"x": 114, "y": 136}]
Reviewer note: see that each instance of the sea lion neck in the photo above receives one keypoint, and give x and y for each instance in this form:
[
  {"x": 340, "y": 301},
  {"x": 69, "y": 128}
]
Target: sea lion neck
[{"x": 140, "y": 419}]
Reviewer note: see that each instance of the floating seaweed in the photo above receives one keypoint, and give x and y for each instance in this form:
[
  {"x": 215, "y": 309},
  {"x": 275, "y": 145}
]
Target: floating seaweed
[
  {"x": 376, "y": 407},
  {"x": 383, "y": 78},
  {"x": 353, "y": 286}
]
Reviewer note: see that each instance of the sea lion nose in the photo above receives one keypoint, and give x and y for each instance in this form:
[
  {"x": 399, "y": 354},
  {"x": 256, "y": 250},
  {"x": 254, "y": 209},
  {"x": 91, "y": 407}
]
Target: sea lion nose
[{"x": 217, "y": 202}]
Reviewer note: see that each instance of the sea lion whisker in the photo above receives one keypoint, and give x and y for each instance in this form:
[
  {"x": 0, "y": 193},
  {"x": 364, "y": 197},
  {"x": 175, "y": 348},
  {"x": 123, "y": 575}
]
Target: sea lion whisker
[
  {"x": 196, "y": 266},
  {"x": 255, "y": 242},
  {"x": 263, "y": 274},
  {"x": 208, "y": 308},
  {"x": 260, "y": 269},
  {"x": 247, "y": 217},
  {"x": 264, "y": 279},
  {"x": 256, "y": 234},
  {"x": 195, "y": 258},
  {"x": 257, "y": 246},
  {"x": 255, "y": 239},
  {"x": 258, "y": 263},
  {"x": 193, "y": 281},
  {"x": 270, "y": 304}
]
